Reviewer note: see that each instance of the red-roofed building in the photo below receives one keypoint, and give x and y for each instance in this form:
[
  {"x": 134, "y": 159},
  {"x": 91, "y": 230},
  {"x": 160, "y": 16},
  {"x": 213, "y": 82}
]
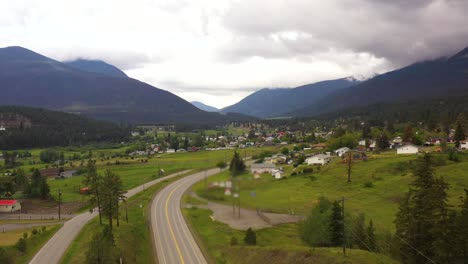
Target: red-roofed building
[{"x": 9, "y": 206}]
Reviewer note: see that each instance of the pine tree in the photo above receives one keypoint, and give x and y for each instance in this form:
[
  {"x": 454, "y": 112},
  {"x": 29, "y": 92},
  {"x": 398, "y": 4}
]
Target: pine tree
[
  {"x": 102, "y": 248},
  {"x": 461, "y": 228},
  {"x": 336, "y": 225},
  {"x": 408, "y": 134},
  {"x": 460, "y": 133},
  {"x": 111, "y": 193},
  {"x": 359, "y": 231},
  {"x": 94, "y": 181},
  {"x": 237, "y": 164},
  {"x": 422, "y": 220}
]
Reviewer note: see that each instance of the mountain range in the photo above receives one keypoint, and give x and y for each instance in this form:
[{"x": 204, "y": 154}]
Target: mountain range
[
  {"x": 417, "y": 83},
  {"x": 276, "y": 102},
  {"x": 204, "y": 107},
  {"x": 95, "y": 89}
]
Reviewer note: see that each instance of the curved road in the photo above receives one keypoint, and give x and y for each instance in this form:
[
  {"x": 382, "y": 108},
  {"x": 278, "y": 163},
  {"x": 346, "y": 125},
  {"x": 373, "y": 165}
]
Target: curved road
[
  {"x": 172, "y": 238},
  {"x": 56, "y": 247}
]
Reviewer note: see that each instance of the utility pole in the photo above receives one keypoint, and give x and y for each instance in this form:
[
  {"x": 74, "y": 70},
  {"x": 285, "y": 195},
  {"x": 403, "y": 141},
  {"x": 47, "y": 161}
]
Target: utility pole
[
  {"x": 126, "y": 210},
  {"x": 350, "y": 156},
  {"x": 60, "y": 198},
  {"x": 343, "y": 215}
]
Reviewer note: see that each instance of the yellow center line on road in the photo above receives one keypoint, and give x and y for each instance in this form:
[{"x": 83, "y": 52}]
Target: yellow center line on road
[{"x": 170, "y": 226}]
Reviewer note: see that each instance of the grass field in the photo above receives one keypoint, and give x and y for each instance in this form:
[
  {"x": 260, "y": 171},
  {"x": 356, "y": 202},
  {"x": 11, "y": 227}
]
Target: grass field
[
  {"x": 134, "y": 173},
  {"x": 275, "y": 245},
  {"x": 33, "y": 242},
  {"x": 387, "y": 177}
]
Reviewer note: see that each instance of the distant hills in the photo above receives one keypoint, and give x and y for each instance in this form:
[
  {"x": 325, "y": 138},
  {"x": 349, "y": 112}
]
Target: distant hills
[
  {"x": 96, "y": 66},
  {"x": 31, "y": 79},
  {"x": 282, "y": 101},
  {"x": 444, "y": 77},
  {"x": 440, "y": 80},
  {"x": 204, "y": 107}
]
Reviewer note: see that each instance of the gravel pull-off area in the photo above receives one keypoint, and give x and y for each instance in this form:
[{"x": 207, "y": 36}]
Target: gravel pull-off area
[{"x": 248, "y": 218}]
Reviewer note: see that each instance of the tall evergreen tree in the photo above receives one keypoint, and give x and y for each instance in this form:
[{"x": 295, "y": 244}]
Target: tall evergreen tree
[
  {"x": 111, "y": 193},
  {"x": 461, "y": 228},
  {"x": 422, "y": 218},
  {"x": 336, "y": 225},
  {"x": 237, "y": 164},
  {"x": 359, "y": 230},
  {"x": 460, "y": 132},
  {"x": 94, "y": 181}
]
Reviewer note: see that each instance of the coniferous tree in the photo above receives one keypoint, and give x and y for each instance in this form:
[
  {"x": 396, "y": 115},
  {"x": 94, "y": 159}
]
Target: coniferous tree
[
  {"x": 359, "y": 231},
  {"x": 422, "y": 220},
  {"x": 460, "y": 133},
  {"x": 111, "y": 193},
  {"x": 237, "y": 164},
  {"x": 94, "y": 181},
  {"x": 102, "y": 248},
  {"x": 461, "y": 232},
  {"x": 336, "y": 225}
]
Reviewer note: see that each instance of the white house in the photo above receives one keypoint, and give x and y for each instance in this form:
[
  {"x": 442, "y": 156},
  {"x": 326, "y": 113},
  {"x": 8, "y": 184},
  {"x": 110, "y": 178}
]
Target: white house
[
  {"x": 464, "y": 144},
  {"x": 319, "y": 159},
  {"x": 407, "y": 149},
  {"x": 262, "y": 168},
  {"x": 277, "y": 174},
  {"x": 9, "y": 206},
  {"x": 339, "y": 152}
]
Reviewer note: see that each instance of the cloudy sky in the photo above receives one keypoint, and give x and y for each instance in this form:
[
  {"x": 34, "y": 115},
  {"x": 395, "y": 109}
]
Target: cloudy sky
[{"x": 218, "y": 51}]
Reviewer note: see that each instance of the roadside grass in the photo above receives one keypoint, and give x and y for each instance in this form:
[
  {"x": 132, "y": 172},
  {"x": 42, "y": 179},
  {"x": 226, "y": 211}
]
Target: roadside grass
[
  {"x": 280, "y": 244},
  {"x": 388, "y": 174},
  {"x": 132, "y": 238},
  {"x": 33, "y": 242}
]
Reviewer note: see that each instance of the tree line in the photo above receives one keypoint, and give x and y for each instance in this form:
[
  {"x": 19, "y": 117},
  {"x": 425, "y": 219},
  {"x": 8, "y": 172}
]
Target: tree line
[{"x": 52, "y": 128}]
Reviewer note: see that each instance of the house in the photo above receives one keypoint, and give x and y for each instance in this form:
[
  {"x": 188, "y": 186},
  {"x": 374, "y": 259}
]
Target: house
[
  {"x": 277, "y": 174},
  {"x": 9, "y": 206},
  {"x": 278, "y": 159},
  {"x": 464, "y": 144},
  {"x": 319, "y": 146},
  {"x": 319, "y": 159},
  {"x": 262, "y": 168},
  {"x": 339, "y": 152},
  {"x": 407, "y": 149},
  {"x": 68, "y": 174}
]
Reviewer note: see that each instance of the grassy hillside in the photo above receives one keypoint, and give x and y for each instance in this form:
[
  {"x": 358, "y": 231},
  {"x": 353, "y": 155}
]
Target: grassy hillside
[{"x": 387, "y": 177}]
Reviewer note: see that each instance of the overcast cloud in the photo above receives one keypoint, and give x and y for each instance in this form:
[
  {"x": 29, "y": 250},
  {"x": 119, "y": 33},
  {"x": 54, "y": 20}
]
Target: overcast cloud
[{"x": 219, "y": 51}]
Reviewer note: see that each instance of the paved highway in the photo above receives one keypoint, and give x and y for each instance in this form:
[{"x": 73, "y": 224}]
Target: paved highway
[
  {"x": 172, "y": 238},
  {"x": 55, "y": 248}
]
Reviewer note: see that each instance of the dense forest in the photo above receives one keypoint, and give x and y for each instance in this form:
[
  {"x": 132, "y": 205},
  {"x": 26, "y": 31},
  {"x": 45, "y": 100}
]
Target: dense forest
[{"x": 24, "y": 127}]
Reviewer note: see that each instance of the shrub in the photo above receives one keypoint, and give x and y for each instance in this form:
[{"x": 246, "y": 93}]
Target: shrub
[
  {"x": 313, "y": 177},
  {"x": 250, "y": 237},
  {"x": 221, "y": 164},
  {"x": 25, "y": 235},
  {"x": 308, "y": 170},
  {"x": 34, "y": 231},
  {"x": 234, "y": 241},
  {"x": 43, "y": 229},
  {"x": 293, "y": 173},
  {"x": 21, "y": 245},
  {"x": 368, "y": 184}
]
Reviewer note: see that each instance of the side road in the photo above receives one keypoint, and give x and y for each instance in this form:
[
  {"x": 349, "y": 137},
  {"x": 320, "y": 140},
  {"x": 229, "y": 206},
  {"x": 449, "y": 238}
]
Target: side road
[{"x": 55, "y": 248}]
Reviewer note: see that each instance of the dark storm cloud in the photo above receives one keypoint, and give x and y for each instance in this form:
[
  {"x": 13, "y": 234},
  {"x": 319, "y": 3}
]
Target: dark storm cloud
[{"x": 400, "y": 31}]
